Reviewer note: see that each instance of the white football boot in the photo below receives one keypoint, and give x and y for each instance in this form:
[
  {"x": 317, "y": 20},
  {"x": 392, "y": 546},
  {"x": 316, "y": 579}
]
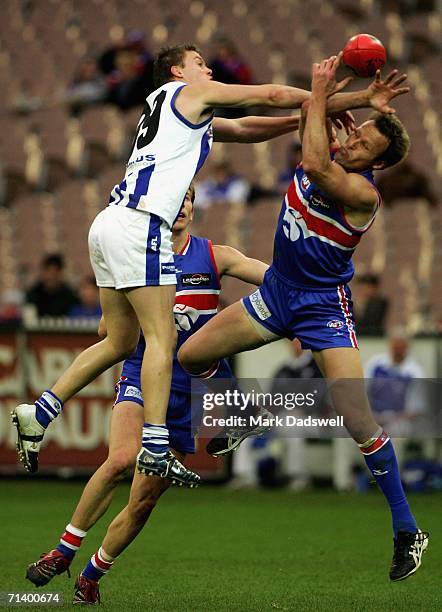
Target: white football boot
[{"x": 29, "y": 435}]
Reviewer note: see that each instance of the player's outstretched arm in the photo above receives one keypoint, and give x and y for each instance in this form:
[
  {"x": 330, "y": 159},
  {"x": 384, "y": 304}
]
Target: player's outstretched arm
[
  {"x": 231, "y": 262},
  {"x": 377, "y": 95},
  {"x": 253, "y": 129},
  {"x": 196, "y": 99},
  {"x": 350, "y": 189}
]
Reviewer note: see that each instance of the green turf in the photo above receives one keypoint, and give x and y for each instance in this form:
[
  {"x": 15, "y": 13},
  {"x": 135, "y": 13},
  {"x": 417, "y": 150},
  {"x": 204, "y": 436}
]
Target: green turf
[{"x": 216, "y": 550}]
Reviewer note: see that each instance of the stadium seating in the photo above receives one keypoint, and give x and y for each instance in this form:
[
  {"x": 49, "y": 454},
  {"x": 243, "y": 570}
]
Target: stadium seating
[{"x": 57, "y": 170}]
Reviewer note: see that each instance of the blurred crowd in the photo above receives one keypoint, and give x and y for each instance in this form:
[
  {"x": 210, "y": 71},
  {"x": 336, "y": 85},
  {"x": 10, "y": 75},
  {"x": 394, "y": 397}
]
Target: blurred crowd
[
  {"x": 122, "y": 75},
  {"x": 50, "y": 295}
]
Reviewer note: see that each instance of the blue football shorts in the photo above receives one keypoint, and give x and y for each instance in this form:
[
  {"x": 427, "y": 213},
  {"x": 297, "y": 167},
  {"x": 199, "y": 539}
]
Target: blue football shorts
[
  {"x": 320, "y": 319},
  {"x": 178, "y": 419}
]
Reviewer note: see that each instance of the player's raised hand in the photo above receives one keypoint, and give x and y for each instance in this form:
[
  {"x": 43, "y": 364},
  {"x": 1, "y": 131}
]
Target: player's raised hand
[
  {"x": 344, "y": 120},
  {"x": 380, "y": 92},
  {"x": 324, "y": 76}
]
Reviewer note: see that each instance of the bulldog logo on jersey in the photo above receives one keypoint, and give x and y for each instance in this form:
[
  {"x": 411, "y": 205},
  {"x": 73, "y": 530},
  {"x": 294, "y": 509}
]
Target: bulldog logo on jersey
[{"x": 185, "y": 317}]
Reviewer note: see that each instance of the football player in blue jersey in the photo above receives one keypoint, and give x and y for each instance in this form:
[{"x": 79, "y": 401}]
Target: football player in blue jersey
[
  {"x": 200, "y": 267},
  {"x": 130, "y": 240},
  {"x": 331, "y": 202}
]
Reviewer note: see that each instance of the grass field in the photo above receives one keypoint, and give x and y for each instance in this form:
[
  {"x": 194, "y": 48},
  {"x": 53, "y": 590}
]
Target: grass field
[{"x": 216, "y": 550}]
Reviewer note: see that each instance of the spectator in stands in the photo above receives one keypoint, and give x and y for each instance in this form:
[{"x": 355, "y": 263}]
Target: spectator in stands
[
  {"x": 228, "y": 67},
  {"x": 371, "y": 306},
  {"x": 51, "y": 295},
  {"x": 131, "y": 79},
  {"x": 87, "y": 87},
  {"x": 394, "y": 387},
  {"x": 89, "y": 305},
  {"x": 405, "y": 181},
  {"x": 294, "y": 153},
  {"x": 222, "y": 186}
]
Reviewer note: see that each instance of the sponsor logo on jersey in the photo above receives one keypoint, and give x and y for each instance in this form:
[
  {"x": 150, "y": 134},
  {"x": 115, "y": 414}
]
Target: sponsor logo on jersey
[
  {"x": 317, "y": 200},
  {"x": 259, "y": 306},
  {"x": 168, "y": 268},
  {"x": 133, "y": 392},
  {"x": 335, "y": 324},
  {"x": 150, "y": 159},
  {"x": 154, "y": 243},
  {"x": 201, "y": 279}
]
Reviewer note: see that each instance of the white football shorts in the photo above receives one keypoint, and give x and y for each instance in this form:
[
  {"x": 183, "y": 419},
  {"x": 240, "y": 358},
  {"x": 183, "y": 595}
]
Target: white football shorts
[{"x": 131, "y": 248}]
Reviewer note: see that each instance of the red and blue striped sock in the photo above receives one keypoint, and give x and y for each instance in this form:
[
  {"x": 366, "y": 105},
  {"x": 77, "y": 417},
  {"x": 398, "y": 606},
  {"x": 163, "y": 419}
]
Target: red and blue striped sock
[
  {"x": 381, "y": 460},
  {"x": 99, "y": 564},
  {"x": 71, "y": 541}
]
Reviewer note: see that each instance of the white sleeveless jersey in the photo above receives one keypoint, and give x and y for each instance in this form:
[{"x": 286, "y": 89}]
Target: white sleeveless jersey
[{"x": 167, "y": 152}]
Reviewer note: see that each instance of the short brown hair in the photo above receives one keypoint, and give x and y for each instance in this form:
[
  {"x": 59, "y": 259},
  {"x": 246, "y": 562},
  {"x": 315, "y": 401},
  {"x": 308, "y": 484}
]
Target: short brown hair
[
  {"x": 168, "y": 57},
  {"x": 192, "y": 191},
  {"x": 399, "y": 141}
]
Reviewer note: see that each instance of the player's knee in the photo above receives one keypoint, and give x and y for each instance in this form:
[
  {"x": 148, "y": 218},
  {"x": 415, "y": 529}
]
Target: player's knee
[
  {"x": 120, "y": 464},
  {"x": 188, "y": 358},
  {"x": 123, "y": 349},
  {"x": 184, "y": 356}
]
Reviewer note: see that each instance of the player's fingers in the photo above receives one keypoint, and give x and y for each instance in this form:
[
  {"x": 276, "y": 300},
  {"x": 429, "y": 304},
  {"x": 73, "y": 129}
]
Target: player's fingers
[
  {"x": 341, "y": 84},
  {"x": 390, "y": 77},
  {"x": 337, "y": 61},
  {"x": 401, "y": 91},
  {"x": 398, "y": 80},
  {"x": 377, "y": 77}
]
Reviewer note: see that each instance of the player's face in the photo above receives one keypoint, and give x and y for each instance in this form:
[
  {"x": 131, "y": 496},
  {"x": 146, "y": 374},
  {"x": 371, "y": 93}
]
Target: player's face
[
  {"x": 186, "y": 215},
  {"x": 362, "y": 148},
  {"x": 195, "y": 69}
]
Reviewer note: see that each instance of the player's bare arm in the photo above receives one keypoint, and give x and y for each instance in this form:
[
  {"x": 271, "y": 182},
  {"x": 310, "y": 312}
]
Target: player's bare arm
[
  {"x": 352, "y": 190},
  {"x": 231, "y": 262},
  {"x": 253, "y": 129},
  {"x": 377, "y": 96}
]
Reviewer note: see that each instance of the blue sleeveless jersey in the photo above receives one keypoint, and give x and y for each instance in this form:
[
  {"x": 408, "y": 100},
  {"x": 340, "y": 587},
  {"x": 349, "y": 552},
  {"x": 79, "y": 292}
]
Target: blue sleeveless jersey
[
  {"x": 314, "y": 242},
  {"x": 196, "y": 301}
]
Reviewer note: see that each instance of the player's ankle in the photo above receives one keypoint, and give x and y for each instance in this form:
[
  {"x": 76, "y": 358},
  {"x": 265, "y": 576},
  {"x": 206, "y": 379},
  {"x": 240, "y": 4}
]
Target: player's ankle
[
  {"x": 155, "y": 439},
  {"x": 47, "y": 407},
  {"x": 71, "y": 541}
]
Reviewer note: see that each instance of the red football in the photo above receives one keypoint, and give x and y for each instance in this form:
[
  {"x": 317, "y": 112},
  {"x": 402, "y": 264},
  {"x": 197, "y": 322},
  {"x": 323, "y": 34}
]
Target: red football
[{"x": 364, "y": 54}]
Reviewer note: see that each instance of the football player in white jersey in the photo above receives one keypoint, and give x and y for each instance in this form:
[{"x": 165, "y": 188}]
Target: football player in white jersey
[{"x": 130, "y": 240}]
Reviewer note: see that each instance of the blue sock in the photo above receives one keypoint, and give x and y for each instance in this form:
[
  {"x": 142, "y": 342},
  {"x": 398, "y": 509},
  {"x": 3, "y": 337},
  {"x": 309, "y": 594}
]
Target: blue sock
[
  {"x": 67, "y": 552},
  {"x": 155, "y": 438},
  {"x": 97, "y": 566},
  {"x": 48, "y": 407},
  {"x": 381, "y": 460}
]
